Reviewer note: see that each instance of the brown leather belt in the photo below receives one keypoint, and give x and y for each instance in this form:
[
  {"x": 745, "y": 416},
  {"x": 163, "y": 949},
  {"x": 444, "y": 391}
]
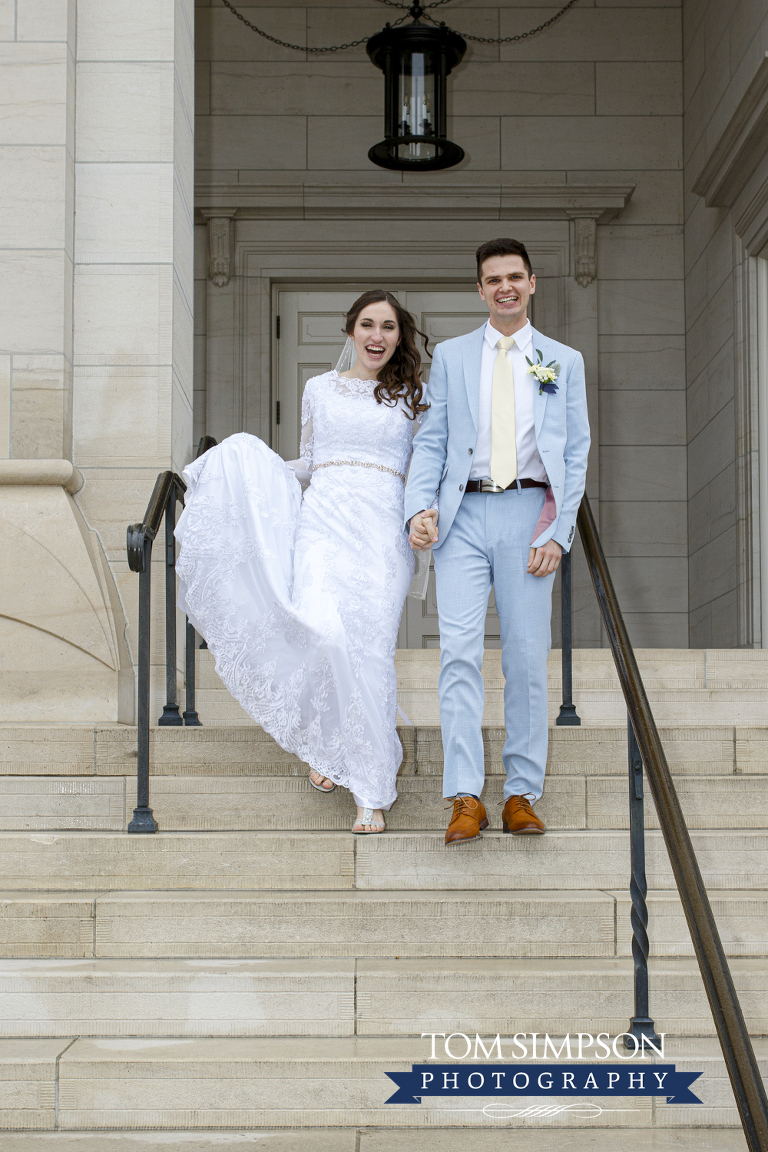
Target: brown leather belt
[{"x": 489, "y": 486}]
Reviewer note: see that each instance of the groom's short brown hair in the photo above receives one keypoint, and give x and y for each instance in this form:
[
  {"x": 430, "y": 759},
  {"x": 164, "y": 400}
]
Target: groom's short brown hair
[{"x": 504, "y": 246}]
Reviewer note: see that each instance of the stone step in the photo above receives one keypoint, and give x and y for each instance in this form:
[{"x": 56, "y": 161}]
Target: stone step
[
  {"x": 378, "y": 1140},
  {"x": 291, "y": 1082},
  {"x": 402, "y": 997},
  {"x": 713, "y": 668},
  {"x": 237, "y": 803},
  {"x": 177, "y": 997},
  {"x": 305, "y": 861},
  {"x": 569, "y": 802},
  {"x": 684, "y": 687},
  {"x": 41, "y": 803},
  {"x": 598, "y": 706},
  {"x": 311, "y": 924},
  {"x": 232, "y": 750},
  {"x": 458, "y": 924},
  {"x": 367, "y": 997},
  {"x": 112, "y": 860},
  {"x": 223, "y": 1140},
  {"x": 728, "y": 859},
  {"x": 670, "y": 669},
  {"x": 741, "y": 916}
]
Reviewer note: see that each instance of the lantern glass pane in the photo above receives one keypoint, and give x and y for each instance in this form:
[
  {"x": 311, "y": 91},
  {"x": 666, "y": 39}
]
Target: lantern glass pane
[{"x": 416, "y": 104}]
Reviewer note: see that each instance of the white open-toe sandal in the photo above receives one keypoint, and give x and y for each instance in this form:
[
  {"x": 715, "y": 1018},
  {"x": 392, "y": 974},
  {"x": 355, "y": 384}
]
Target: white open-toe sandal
[
  {"x": 319, "y": 787},
  {"x": 375, "y": 828}
]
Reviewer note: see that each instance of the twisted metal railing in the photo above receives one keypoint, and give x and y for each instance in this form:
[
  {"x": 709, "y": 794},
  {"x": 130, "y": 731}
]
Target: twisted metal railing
[
  {"x": 168, "y": 491},
  {"x": 568, "y": 716},
  {"x": 645, "y": 748}
]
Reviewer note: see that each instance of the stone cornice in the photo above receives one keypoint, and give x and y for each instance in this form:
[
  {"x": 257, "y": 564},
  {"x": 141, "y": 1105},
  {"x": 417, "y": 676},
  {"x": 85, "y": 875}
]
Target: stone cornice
[
  {"x": 598, "y": 202},
  {"x": 56, "y": 473},
  {"x": 741, "y": 146},
  {"x": 751, "y": 222}
]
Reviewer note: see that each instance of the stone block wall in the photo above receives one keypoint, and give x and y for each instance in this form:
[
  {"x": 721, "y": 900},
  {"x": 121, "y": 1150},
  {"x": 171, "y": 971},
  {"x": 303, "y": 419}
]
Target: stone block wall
[{"x": 724, "y": 46}]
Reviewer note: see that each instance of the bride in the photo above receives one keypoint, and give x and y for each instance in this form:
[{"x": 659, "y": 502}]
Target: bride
[{"x": 299, "y": 599}]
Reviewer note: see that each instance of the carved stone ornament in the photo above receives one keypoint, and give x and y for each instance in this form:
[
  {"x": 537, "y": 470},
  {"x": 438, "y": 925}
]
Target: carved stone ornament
[
  {"x": 219, "y": 247},
  {"x": 584, "y": 257}
]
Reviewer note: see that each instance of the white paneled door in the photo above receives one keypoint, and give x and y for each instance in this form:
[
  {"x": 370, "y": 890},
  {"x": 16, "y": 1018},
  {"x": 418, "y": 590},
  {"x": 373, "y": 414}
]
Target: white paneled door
[{"x": 311, "y": 338}]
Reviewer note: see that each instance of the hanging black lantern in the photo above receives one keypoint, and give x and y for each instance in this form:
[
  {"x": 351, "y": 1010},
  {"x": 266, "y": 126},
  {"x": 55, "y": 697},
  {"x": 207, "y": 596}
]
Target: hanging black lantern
[{"x": 416, "y": 61}]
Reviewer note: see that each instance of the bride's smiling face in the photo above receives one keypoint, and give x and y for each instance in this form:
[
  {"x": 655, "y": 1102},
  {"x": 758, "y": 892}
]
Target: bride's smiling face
[{"x": 376, "y": 336}]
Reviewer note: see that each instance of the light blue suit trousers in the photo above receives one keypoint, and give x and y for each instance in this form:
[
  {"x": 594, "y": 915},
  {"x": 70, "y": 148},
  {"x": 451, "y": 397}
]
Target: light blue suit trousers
[{"x": 489, "y": 544}]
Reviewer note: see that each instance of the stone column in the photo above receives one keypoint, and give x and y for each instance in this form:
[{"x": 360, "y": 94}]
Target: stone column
[
  {"x": 133, "y": 273},
  {"x": 37, "y": 88},
  {"x": 95, "y": 329},
  {"x": 61, "y": 656}
]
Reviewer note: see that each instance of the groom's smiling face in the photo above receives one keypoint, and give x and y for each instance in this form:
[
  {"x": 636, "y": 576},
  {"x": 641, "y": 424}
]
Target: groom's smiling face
[{"x": 506, "y": 289}]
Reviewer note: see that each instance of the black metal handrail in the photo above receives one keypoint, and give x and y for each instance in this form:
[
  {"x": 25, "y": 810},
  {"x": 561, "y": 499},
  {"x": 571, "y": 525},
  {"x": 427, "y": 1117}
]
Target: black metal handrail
[
  {"x": 645, "y": 747},
  {"x": 169, "y": 489},
  {"x": 568, "y": 716}
]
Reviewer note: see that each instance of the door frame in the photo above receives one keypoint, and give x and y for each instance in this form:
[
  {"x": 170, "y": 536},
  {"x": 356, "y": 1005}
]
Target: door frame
[
  {"x": 399, "y": 287},
  {"x": 264, "y": 266}
]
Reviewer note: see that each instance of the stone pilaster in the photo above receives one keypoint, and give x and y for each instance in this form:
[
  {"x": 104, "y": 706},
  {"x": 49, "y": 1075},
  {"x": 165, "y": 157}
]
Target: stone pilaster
[
  {"x": 37, "y": 89},
  {"x": 133, "y": 332}
]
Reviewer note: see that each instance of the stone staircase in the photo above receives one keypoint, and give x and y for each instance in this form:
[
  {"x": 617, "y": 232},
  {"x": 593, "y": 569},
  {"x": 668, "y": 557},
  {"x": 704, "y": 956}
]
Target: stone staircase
[{"x": 244, "y": 978}]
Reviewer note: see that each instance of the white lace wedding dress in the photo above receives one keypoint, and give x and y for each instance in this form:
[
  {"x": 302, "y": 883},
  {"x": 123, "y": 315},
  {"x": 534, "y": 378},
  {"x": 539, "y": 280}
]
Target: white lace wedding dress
[{"x": 299, "y": 599}]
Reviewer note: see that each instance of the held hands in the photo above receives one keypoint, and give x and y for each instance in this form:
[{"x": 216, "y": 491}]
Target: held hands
[
  {"x": 545, "y": 560},
  {"x": 423, "y": 533}
]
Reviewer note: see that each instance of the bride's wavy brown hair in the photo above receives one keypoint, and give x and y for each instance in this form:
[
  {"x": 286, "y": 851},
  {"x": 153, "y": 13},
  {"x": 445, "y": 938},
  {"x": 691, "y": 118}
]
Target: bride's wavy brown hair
[{"x": 400, "y": 375}]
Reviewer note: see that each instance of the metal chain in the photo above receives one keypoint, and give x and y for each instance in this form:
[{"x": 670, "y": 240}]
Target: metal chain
[
  {"x": 505, "y": 39},
  {"x": 304, "y": 47},
  {"x": 397, "y": 4}
]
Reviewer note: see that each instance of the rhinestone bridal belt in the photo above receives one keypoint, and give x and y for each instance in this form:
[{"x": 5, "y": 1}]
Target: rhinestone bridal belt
[{"x": 359, "y": 464}]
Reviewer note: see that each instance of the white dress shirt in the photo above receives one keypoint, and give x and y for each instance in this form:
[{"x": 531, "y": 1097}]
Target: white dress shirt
[{"x": 529, "y": 462}]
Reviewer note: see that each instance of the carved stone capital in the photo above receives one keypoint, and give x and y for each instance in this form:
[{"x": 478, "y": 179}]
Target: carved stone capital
[
  {"x": 584, "y": 254},
  {"x": 219, "y": 250}
]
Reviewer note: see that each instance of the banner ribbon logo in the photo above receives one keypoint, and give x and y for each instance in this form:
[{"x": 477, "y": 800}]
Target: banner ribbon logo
[{"x": 574, "y": 1080}]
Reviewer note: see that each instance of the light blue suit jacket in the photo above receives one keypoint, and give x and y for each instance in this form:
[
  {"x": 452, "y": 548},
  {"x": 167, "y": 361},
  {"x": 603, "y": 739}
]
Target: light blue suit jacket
[{"x": 442, "y": 459}]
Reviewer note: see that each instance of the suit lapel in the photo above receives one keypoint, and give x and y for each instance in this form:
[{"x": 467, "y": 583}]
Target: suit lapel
[
  {"x": 540, "y": 344},
  {"x": 472, "y": 362}
]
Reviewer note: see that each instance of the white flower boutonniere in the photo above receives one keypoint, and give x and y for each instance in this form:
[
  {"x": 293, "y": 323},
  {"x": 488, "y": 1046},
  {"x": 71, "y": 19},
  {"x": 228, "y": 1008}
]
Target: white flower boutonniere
[{"x": 545, "y": 374}]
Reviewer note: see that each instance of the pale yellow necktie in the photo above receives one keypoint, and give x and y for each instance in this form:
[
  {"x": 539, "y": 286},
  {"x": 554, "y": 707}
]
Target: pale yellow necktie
[{"x": 503, "y": 436}]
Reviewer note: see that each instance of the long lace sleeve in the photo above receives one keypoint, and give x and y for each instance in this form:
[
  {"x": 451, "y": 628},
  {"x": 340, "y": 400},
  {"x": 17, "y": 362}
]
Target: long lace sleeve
[
  {"x": 302, "y": 467},
  {"x": 423, "y": 560},
  {"x": 307, "y": 430},
  {"x": 435, "y": 502}
]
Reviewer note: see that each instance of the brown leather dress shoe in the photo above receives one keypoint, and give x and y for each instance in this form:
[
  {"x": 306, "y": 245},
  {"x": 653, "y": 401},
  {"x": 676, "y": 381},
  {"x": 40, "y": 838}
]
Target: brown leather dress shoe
[
  {"x": 519, "y": 818},
  {"x": 468, "y": 820}
]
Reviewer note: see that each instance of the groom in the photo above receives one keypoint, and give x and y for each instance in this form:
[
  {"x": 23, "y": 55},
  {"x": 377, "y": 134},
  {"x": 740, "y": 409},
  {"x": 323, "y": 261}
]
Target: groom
[{"x": 504, "y": 446}]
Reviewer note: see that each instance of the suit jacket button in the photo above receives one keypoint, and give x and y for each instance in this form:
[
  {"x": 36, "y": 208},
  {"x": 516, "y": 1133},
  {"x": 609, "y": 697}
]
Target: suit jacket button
[
  {"x": 470, "y": 451},
  {"x": 461, "y": 487}
]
